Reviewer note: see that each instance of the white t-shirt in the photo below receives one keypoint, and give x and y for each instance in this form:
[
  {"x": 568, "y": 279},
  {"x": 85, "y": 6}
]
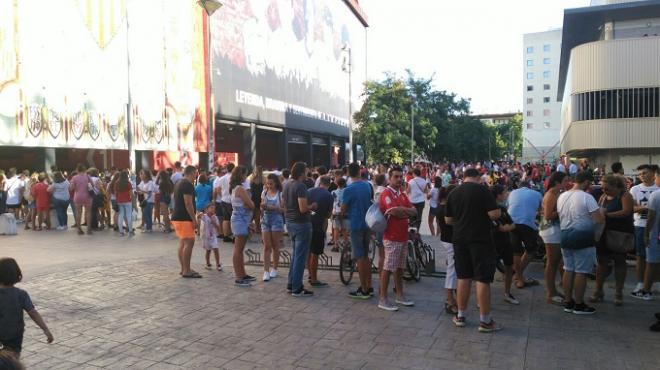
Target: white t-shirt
[
  {"x": 641, "y": 194},
  {"x": 223, "y": 183},
  {"x": 417, "y": 186},
  {"x": 435, "y": 193},
  {"x": 575, "y": 208},
  {"x": 13, "y": 187},
  {"x": 561, "y": 168},
  {"x": 216, "y": 184},
  {"x": 654, "y": 205},
  {"x": 572, "y": 169},
  {"x": 149, "y": 188},
  {"x": 176, "y": 177}
]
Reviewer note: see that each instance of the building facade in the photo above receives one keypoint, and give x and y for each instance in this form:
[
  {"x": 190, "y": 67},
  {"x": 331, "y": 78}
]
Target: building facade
[
  {"x": 610, "y": 83},
  {"x": 495, "y": 118},
  {"x": 119, "y": 83},
  {"x": 541, "y": 111}
]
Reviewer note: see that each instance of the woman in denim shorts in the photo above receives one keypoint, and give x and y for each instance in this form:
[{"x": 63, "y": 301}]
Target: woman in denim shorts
[
  {"x": 241, "y": 218},
  {"x": 272, "y": 225}
]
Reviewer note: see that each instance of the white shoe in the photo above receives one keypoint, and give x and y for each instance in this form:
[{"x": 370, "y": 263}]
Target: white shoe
[
  {"x": 266, "y": 276},
  {"x": 273, "y": 273}
]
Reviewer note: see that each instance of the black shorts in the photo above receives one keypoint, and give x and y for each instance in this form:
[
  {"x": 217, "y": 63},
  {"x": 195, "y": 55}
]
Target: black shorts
[
  {"x": 218, "y": 210},
  {"x": 504, "y": 251},
  {"x": 13, "y": 206},
  {"x": 475, "y": 261},
  {"x": 318, "y": 240},
  {"x": 433, "y": 211},
  {"x": 226, "y": 211},
  {"x": 524, "y": 239}
]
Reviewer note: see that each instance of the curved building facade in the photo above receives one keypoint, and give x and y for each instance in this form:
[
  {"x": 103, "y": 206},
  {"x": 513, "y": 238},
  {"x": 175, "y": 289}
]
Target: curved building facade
[{"x": 610, "y": 85}]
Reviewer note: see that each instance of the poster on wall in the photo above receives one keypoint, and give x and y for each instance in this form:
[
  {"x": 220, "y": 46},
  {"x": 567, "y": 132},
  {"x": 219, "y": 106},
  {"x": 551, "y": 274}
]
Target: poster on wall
[
  {"x": 285, "y": 62},
  {"x": 64, "y": 76}
]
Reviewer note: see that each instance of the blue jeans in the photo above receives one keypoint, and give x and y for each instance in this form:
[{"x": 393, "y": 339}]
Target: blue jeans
[
  {"x": 125, "y": 213},
  {"x": 60, "y": 208},
  {"x": 640, "y": 248},
  {"x": 148, "y": 214},
  {"x": 301, "y": 234}
]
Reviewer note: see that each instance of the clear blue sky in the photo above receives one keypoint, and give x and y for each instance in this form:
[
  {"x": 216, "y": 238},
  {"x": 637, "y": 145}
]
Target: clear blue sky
[{"x": 474, "y": 47}]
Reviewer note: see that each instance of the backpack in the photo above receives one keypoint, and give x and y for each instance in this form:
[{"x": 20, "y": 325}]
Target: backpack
[
  {"x": 11, "y": 314},
  {"x": 375, "y": 219}
]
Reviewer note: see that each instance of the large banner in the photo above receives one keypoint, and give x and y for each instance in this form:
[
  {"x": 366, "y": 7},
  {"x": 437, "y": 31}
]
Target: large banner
[
  {"x": 64, "y": 73},
  {"x": 285, "y": 61}
]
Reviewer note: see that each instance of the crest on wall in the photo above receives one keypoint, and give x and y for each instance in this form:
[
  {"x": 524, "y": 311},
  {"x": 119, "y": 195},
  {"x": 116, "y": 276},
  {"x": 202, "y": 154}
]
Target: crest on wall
[{"x": 102, "y": 18}]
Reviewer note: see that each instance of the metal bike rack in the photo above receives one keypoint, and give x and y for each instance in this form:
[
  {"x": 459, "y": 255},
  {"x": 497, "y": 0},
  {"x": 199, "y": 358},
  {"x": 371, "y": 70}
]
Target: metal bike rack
[
  {"x": 253, "y": 257},
  {"x": 285, "y": 258}
]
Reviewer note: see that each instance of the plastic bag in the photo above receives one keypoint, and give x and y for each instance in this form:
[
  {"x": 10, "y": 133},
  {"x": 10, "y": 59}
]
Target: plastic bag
[
  {"x": 375, "y": 219},
  {"x": 8, "y": 224}
]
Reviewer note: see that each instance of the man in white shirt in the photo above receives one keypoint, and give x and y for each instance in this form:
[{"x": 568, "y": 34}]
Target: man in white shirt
[
  {"x": 578, "y": 212},
  {"x": 221, "y": 195},
  {"x": 561, "y": 167},
  {"x": 641, "y": 194},
  {"x": 178, "y": 173},
  {"x": 417, "y": 190},
  {"x": 14, "y": 186},
  {"x": 572, "y": 169}
]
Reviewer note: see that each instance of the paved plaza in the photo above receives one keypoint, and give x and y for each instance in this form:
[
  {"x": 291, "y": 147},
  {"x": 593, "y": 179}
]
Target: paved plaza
[{"x": 119, "y": 303}]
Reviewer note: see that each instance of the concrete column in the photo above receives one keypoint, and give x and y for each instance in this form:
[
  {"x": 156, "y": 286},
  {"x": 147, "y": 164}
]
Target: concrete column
[
  {"x": 284, "y": 152},
  {"x": 253, "y": 145},
  {"x": 48, "y": 158},
  {"x": 310, "y": 150}
]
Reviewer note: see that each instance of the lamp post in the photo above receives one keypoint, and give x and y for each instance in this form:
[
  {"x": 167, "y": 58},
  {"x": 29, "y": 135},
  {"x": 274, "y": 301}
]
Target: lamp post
[
  {"x": 210, "y": 6},
  {"x": 347, "y": 67},
  {"x": 412, "y": 133}
]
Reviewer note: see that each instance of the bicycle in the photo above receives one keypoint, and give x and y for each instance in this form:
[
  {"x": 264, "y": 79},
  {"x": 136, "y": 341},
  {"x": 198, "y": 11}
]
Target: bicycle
[{"x": 417, "y": 257}]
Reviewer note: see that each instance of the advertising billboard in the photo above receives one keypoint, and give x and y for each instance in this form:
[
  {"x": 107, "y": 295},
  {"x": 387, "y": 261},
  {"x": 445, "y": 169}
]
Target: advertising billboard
[
  {"x": 284, "y": 62},
  {"x": 64, "y": 73}
]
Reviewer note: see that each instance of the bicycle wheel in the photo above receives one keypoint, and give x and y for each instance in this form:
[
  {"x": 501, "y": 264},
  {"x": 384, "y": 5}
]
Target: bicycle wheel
[
  {"x": 346, "y": 266},
  {"x": 421, "y": 254},
  {"x": 412, "y": 263}
]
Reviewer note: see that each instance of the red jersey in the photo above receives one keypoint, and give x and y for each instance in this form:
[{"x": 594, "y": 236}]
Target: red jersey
[
  {"x": 41, "y": 196},
  {"x": 397, "y": 228},
  {"x": 123, "y": 196}
]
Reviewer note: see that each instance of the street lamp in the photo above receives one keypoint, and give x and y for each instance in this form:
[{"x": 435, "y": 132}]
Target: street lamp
[
  {"x": 347, "y": 67},
  {"x": 210, "y": 6},
  {"x": 412, "y": 131}
]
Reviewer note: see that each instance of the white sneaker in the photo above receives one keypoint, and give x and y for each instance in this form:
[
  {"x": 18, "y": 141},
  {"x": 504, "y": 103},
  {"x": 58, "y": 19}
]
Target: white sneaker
[
  {"x": 638, "y": 287},
  {"x": 273, "y": 273},
  {"x": 511, "y": 299},
  {"x": 59, "y": 228},
  {"x": 404, "y": 301},
  {"x": 266, "y": 276}
]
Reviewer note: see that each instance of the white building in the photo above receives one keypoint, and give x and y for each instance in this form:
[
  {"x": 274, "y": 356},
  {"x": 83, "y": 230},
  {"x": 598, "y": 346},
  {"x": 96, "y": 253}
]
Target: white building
[
  {"x": 609, "y": 82},
  {"x": 541, "y": 111}
]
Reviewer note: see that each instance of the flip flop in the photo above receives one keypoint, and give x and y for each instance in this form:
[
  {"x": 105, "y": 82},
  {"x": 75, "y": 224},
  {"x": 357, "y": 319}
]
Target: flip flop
[
  {"x": 557, "y": 299},
  {"x": 192, "y": 275},
  {"x": 531, "y": 282}
]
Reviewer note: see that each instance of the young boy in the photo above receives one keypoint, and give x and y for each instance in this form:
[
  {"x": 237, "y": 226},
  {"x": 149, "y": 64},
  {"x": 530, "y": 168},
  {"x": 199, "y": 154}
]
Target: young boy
[
  {"x": 42, "y": 199},
  {"x": 340, "y": 225}
]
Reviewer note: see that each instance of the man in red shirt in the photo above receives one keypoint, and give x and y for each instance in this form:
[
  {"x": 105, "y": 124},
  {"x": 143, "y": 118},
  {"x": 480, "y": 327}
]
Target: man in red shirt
[
  {"x": 42, "y": 198},
  {"x": 397, "y": 208}
]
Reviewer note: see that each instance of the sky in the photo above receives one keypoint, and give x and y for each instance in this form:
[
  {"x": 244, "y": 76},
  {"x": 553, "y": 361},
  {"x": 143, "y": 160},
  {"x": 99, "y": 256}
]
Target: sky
[{"x": 472, "y": 47}]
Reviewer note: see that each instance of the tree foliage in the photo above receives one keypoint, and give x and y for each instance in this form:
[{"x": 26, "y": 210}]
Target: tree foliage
[{"x": 443, "y": 130}]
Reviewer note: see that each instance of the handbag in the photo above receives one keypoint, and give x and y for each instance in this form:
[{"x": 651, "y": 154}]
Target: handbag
[{"x": 619, "y": 242}]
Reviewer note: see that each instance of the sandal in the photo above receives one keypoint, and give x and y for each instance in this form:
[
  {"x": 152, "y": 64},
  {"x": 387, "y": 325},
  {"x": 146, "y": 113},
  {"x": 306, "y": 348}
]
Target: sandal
[
  {"x": 192, "y": 275},
  {"x": 597, "y": 297},
  {"x": 451, "y": 309},
  {"x": 618, "y": 299},
  {"x": 556, "y": 299}
]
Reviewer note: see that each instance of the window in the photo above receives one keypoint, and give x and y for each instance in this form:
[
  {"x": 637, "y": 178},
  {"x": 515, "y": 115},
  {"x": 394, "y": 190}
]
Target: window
[
  {"x": 530, "y": 88},
  {"x": 546, "y": 112},
  {"x": 530, "y": 113},
  {"x": 616, "y": 104},
  {"x": 546, "y": 124},
  {"x": 530, "y": 62},
  {"x": 546, "y": 99},
  {"x": 530, "y": 49},
  {"x": 546, "y": 60},
  {"x": 530, "y": 126},
  {"x": 546, "y": 87},
  {"x": 530, "y": 76},
  {"x": 546, "y": 74},
  {"x": 530, "y": 101},
  {"x": 546, "y": 48}
]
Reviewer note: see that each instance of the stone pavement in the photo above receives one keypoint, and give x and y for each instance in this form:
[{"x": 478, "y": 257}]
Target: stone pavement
[{"x": 120, "y": 304}]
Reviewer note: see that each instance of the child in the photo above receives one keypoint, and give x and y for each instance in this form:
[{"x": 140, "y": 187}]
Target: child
[
  {"x": 13, "y": 301},
  {"x": 340, "y": 225},
  {"x": 210, "y": 228},
  {"x": 42, "y": 200}
]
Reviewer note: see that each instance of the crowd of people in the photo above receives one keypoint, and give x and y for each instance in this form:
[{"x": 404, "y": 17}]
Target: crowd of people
[{"x": 586, "y": 221}]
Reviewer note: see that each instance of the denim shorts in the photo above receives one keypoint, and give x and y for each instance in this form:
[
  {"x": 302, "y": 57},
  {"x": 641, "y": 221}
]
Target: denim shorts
[
  {"x": 272, "y": 222},
  {"x": 579, "y": 260},
  {"x": 240, "y": 222},
  {"x": 640, "y": 248},
  {"x": 360, "y": 243}
]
